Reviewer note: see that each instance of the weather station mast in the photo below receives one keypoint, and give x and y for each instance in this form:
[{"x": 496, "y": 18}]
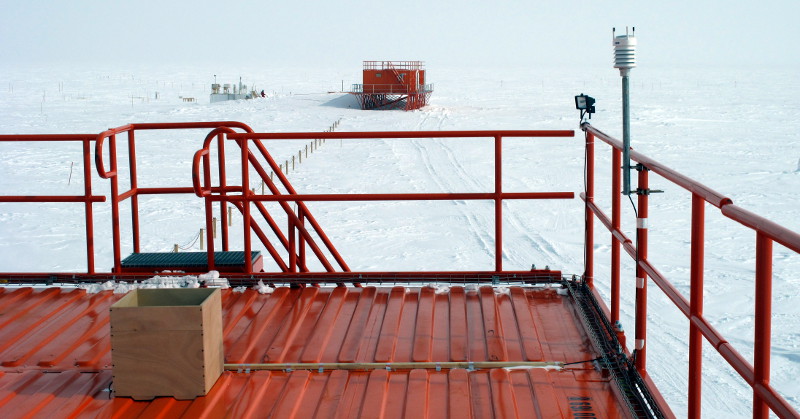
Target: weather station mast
[{"x": 625, "y": 60}]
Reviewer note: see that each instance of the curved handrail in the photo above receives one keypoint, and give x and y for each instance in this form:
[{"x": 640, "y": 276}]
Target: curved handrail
[
  {"x": 198, "y": 188},
  {"x": 98, "y": 148}
]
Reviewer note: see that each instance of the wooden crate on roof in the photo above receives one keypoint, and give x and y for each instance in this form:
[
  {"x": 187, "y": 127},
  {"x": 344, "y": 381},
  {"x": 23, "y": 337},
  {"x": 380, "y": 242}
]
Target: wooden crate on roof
[{"x": 166, "y": 342}]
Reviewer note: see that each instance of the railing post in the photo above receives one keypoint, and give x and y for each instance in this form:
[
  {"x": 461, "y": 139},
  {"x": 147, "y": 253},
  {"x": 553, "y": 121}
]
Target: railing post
[
  {"x": 588, "y": 273},
  {"x": 88, "y": 211},
  {"x": 209, "y": 209},
  {"x": 134, "y": 187},
  {"x": 292, "y": 248},
  {"x": 641, "y": 276},
  {"x": 616, "y": 196},
  {"x": 301, "y": 240},
  {"x": 696, "y": 306},
  {"x": 498, "y": 203},
  {"x": 223, "y": 205},
  {"x": 248, "y": 257},
  {"x": 112, "y": 150},
  {"x": 763, "y": 322}
]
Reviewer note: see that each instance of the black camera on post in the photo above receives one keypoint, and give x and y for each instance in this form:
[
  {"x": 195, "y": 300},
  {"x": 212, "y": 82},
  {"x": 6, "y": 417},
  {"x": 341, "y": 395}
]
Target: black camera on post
[{"x": 585, "y": 104}]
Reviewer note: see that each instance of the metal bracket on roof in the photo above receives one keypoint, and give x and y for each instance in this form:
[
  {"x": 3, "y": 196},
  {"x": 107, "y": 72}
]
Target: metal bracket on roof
[{"x": 471, "y": 366}]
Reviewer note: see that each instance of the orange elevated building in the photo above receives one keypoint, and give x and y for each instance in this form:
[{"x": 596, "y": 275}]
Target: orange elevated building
[{"x": 393, "y": 84}]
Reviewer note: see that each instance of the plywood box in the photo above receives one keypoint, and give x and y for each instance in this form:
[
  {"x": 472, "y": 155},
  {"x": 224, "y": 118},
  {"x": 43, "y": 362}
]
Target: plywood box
[{"x": 166, "y": 342}]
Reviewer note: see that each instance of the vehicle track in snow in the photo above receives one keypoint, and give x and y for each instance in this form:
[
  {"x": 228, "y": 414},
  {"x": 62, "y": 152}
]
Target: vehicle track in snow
[
  {"x": 455, "y": 177},
  {"x": 477, "y": 224}
]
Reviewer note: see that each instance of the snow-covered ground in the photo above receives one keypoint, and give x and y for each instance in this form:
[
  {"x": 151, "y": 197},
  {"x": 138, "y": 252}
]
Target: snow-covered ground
[{"x": 734, "y": 130}]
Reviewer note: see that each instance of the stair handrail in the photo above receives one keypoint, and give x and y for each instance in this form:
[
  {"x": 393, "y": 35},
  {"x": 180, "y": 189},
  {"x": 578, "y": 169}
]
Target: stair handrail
[{"x": 296, "y": 220}]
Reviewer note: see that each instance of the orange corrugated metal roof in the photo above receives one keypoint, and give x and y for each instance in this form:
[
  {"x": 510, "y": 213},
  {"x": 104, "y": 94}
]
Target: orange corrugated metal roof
[{"x": 55, "y": 355}]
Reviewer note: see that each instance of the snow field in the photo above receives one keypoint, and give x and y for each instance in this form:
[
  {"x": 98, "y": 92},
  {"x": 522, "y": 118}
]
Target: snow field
[{"x": 732, "y": 130}]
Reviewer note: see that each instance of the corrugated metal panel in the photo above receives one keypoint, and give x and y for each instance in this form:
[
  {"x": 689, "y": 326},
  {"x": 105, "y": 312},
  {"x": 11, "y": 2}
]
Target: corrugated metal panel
[
  {"x": 66, "y": 332},
  {"x": 304, "y": 394}
]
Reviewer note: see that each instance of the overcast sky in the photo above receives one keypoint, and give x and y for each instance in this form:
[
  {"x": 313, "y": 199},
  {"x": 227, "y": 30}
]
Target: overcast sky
[{"x": 442, "y": 33}]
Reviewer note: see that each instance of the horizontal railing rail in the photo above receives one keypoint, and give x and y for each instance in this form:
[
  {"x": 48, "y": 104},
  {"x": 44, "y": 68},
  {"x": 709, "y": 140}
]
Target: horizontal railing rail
[
  {"x": 403, "y": 134},
  {"x": 396, "y": 65},
  {"x": 87, "y": 198},
  {"x": 388, "y": 88},
  {"x": 203, "y": 188},
  {"x": 757, "y": 376}
]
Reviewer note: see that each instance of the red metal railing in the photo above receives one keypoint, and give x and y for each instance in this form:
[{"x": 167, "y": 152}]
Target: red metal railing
[
  {"x": 391, "y": 89},
  {"x": 87, "y": 198},
  {"x": 399, "y": 65},
  {"x": 298, "y": 237},
  {"x": 765, "y": 397},
  {"x": 135, "y": 191},
  {"x": 203, "y": 188}
]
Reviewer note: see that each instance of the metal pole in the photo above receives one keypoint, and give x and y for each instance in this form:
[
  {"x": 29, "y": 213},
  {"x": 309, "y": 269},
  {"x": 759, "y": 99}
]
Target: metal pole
[
  {"x": 246, "y": 221},
  {"x": 641, "y": 275},
  {"x": 302, "y": 241},
  {"x": 89, "y": 214},
  {"x": 498, "y": 203},
  {"x": 292, "y": 246},
  {"x": 209, "y": 205},
  {"x": 134, "y": 186},
  {"x": 588, "y": 273},
  {"x": 367, "y": 366},
  {"x": 626, "y": 133},
  {"x": 696, "y": 307},
  {"x": 223, "y": 206},
  {"x": 763, "y": 322},
  {"x": 115, "y": 234},
  {"x": 616, "y": 157}
]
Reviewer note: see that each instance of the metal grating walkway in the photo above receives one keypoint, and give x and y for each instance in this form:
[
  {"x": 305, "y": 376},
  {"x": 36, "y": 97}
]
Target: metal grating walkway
[{"x": 185, "y": 260}]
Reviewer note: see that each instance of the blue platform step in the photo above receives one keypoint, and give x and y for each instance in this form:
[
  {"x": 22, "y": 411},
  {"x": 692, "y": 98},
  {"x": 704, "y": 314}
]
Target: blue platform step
[{"x": 190, "y": 262}]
